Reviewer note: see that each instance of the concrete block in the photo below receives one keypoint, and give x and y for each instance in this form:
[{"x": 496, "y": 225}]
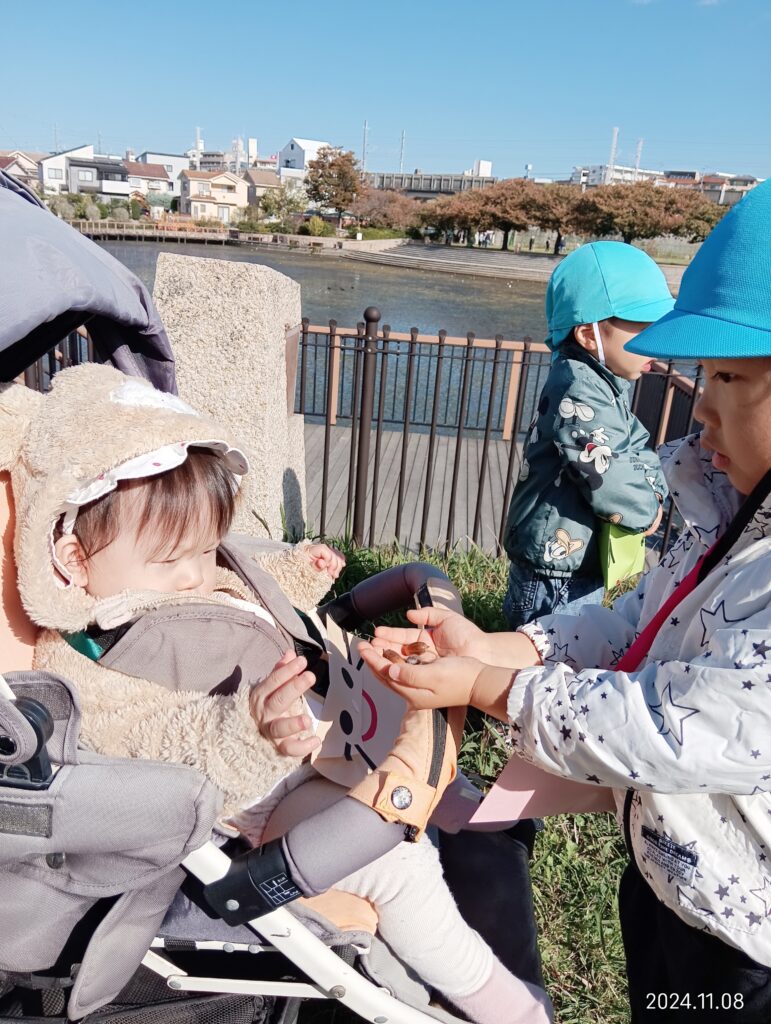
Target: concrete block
[{"x": 227, "y": 322}]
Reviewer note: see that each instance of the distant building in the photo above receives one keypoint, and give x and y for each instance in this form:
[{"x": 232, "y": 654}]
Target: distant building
[
  {"x": 259, "y": 182},
  {"x": 22, "y": 165},
  {"x": 428, "y": 186},
  {"x": 214, "y": 194},
  {"x": 602, "y": 174},
  {"x": 172, "y": 163},
  {"x": 53, "y": 169},
  {"x": 298, "y": 153},
  {"x": 99, "y": 176},
  {"x": 727, "y": 189},
  {"x": 149, "y": 179},
  {"x": 212, "y": 160}
]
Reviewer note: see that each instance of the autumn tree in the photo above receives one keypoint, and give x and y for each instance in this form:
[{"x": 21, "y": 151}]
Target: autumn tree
[
  {"x": 506, "y": 206},
  {"x": 386, "y": 208},
  {"x": 334, "y": 179},
  {"x": 554, "y": 208},
  {"x": 632, "y": 211},
  {"x": 693, "y": 216}
]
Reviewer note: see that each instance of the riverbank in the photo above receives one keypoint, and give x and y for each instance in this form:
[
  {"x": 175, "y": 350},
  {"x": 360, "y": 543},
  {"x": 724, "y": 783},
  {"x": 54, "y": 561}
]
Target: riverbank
[{"x": 507, "y": 266}]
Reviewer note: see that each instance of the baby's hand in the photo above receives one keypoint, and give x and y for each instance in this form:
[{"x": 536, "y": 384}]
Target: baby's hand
[
  {"x": 326, "y": 559},
  {"x": 274, "y": 704}
]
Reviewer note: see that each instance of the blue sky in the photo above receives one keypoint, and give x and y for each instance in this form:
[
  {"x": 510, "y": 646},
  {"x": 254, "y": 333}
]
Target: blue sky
[{"x": 541, "y": 82}]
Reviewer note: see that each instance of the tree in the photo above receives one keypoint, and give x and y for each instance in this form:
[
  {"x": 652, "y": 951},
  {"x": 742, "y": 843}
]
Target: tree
[
  {"x": 553, "y": 208},
  {"x": 642, "y": 210},
  {"x": 279, "y": 204},
  {"x": 506, "y": 206},
  {"x": 334, "y": 179},
  {"x": 694, "y": 216},
  {"x": 380, "y": 208}
]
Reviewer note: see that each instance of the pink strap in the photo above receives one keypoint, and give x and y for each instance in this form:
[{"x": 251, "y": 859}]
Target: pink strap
[{"x": 635, "y": 654}]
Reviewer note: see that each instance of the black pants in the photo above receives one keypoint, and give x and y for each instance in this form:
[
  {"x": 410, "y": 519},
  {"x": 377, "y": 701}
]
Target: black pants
[{"x": 677, "y": 972}]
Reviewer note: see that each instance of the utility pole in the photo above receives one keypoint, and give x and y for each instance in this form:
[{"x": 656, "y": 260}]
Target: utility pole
[
  {"x": 612, "y": 158},
  {"x": 56, "y": 140},
  {"x": 364, "y": 148},
  {"x": 401, "y": 154},
  {"x": 198, "y": 149},
  {"x": 99, "y": 142},
  {"x": 638, "y": 159}
]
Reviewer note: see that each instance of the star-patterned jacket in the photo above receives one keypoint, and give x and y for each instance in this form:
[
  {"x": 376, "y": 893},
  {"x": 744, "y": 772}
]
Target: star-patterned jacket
[{"x": 685, "y": 740}]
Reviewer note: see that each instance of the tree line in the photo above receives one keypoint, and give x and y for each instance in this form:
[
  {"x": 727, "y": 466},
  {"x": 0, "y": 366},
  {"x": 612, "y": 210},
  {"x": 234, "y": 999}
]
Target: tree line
[{"x": 640, "y": 210}]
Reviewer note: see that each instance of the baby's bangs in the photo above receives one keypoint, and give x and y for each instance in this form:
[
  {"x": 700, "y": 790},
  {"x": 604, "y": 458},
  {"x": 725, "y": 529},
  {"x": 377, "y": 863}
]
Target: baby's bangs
[{"x": 198, "y": 497}]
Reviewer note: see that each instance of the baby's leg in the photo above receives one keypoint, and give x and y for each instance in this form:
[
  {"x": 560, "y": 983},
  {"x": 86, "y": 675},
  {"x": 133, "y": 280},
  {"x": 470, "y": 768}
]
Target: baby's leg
[{"x": 420, "y": 921}]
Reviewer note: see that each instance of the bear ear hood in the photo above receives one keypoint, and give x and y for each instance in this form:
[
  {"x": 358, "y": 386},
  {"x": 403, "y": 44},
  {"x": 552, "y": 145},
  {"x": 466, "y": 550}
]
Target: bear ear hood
[
  {"x": 95, "y": 427},
  {"x": 18, "y": 407}
]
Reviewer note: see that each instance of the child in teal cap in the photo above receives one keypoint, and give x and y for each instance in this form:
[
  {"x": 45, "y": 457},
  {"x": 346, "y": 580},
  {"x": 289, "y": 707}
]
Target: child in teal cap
[
  {"x": 665, "y": 699},
  {"x": 586, "y": 457}
]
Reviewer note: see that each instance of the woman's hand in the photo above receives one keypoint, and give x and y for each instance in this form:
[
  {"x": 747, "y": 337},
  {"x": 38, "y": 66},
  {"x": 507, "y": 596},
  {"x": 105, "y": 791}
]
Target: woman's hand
[
  {"x": 275, "y": 703},
  {"x": 446, "y": 633},
  {"x": 326, "y": 559}
]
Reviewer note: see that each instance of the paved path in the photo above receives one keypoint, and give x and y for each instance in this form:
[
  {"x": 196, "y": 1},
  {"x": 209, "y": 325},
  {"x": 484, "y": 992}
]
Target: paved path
[
  {"x": 415, "y": 480},
  {"x": 480, "y": 262}
]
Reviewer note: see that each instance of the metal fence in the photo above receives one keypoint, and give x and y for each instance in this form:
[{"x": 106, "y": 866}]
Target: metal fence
[
  {"x": 372, "y": 380},
  {"x": 472, "y": 397}
]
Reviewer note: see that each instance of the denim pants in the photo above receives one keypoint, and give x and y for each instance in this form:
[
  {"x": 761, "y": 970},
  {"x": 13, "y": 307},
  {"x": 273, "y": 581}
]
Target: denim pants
[{"x": 531, "y": 595}]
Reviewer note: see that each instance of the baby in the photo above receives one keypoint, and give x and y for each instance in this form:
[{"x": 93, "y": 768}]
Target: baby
[{"x": 125, "y": 497}]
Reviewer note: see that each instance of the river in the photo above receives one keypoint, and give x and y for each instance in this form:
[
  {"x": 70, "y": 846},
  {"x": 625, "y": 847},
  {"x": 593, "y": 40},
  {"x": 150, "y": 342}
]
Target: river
[{"x": 340, "y": 289}]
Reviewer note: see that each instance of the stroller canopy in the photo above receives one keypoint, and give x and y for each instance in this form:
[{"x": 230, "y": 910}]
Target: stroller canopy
[{"x": 53, "y": 280}]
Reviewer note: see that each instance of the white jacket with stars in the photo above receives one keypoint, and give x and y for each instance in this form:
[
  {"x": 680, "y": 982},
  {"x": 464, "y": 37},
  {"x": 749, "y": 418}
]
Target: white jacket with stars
[{"x": 684, "y": 741}]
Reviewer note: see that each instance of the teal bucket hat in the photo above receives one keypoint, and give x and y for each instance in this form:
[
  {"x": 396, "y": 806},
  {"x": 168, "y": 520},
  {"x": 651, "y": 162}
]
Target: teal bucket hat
[
  {"x": 723, "y": 310},
  {"x": 601, "y": 280}
]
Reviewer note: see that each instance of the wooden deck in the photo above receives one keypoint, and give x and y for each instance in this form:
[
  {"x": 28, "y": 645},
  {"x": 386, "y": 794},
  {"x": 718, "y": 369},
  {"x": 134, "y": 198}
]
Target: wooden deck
[{"x": 339, "y": 512}]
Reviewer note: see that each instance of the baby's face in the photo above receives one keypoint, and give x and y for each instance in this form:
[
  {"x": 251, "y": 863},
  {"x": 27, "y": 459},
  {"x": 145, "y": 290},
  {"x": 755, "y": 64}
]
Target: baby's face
[{"x": 131, "y": 564}]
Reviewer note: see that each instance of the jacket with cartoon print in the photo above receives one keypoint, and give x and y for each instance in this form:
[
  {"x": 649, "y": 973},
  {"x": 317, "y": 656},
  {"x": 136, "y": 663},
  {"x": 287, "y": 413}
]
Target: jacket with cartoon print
[
  {"x": 685, "y": 739},
  {"x": 585, "y": 459}
]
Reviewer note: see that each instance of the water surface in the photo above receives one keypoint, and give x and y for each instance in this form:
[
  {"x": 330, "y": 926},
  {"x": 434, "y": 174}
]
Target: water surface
[{"x": 341, "y": 289}]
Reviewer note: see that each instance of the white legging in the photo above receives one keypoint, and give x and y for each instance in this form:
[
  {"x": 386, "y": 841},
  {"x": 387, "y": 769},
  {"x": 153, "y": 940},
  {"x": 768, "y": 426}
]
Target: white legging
[{"x": 417, "y": 915}]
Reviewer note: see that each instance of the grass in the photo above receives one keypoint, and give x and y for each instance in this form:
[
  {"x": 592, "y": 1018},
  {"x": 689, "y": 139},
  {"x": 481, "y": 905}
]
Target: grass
[{"x": 578, "y": 858}]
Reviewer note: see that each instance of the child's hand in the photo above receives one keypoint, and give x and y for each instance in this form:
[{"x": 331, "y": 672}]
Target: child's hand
[
  {"x": 274, "y": 704},
  {"x": 443, "y": 683},
  {"x": 447, "y": 632},
  {"x": 326, "y": 559}
]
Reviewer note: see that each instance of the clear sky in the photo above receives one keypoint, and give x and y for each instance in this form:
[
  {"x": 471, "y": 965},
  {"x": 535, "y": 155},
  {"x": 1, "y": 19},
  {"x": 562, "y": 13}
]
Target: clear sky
[{"x": 512, "y": 81}]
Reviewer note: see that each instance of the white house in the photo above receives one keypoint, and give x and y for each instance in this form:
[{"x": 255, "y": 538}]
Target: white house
[
  {"x": 602, "y": 174},
  {"x": 149, "y": 179},
  {"x": 172, "y": 163},
  {"x": 298, "y": 153},
  {"x": 53, "y": 170}
]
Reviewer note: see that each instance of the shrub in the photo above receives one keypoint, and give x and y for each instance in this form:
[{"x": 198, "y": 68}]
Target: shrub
[
  {"x": 119, "y": 213},
  {"x": 319, "y": 228}
]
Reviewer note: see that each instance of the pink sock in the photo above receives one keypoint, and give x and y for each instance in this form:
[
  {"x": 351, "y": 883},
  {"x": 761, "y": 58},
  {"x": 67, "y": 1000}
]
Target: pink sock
[{"x": 504, "y": 999}]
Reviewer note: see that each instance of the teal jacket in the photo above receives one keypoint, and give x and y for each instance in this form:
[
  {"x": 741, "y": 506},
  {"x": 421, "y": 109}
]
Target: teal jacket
[{"x": 585, "y": 459}]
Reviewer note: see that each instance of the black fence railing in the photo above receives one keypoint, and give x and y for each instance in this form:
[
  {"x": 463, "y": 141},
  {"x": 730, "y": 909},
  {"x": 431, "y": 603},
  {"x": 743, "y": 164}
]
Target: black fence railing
[{"x": 472, "y": 392}]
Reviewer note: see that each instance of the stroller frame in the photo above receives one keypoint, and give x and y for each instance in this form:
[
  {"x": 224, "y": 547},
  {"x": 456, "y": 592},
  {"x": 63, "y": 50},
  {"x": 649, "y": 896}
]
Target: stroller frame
[{"x": 334, "y": 979}]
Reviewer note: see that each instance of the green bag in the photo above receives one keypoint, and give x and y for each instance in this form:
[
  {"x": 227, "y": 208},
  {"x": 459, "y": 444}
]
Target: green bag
[{"x": 622, "y": 554}]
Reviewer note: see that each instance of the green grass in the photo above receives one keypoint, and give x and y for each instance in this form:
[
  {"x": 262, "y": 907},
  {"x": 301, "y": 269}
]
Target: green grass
[{"x": 578, "y": 858}]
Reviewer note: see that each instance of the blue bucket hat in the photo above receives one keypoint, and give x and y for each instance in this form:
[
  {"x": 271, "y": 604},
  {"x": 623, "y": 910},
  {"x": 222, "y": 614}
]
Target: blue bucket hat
[
  {"x": 601, "y": 280},
  {"x": 723, "y": 310}
]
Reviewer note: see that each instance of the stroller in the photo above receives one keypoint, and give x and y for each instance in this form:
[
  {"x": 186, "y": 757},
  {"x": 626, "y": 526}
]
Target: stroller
[{"x": 86, "y": 879}]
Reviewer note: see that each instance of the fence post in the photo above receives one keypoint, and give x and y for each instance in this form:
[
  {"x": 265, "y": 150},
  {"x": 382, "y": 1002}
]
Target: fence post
[{"x": 371, "y": 319}]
